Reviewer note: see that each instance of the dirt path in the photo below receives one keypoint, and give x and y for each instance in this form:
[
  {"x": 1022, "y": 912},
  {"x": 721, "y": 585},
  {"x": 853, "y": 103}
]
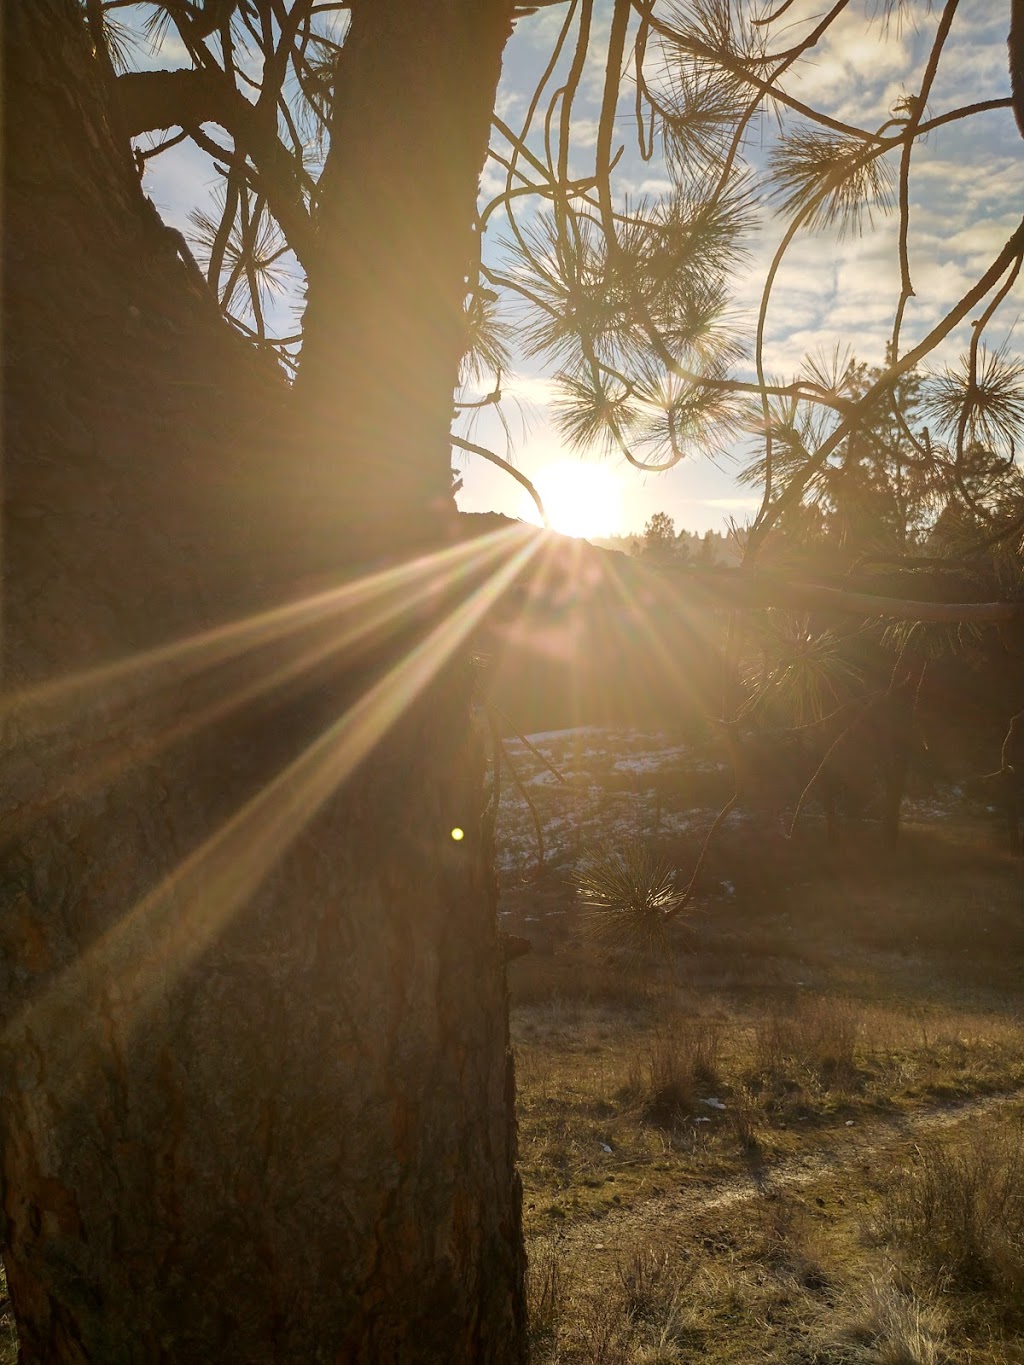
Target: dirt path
[{"x": 862, "y": 1144}]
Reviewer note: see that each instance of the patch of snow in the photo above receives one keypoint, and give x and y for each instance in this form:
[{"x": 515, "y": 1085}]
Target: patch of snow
[
  {"x": 542, "y": 736},
  {"x": 642, "y": 763},
  {"x": 925, "y": 810},
  {"x": 587, "y": 811}
]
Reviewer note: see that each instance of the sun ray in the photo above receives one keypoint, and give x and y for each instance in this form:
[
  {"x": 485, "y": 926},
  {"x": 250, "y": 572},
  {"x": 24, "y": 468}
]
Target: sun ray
[
  {"x": 647, "y": 600},
  {"x": 46, "y": 705},
  {"x": 137, "y": 958},
  {"x": 368, "y": 609}
]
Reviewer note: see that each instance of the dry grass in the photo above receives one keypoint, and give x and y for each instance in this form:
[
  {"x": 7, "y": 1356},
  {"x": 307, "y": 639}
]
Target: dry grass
[
  {"x": 679, "y": 1061},
  {"x": 771, "y": 1285},
  {"x": 825, "y": 1043},
  {"x": 853, "y": 1016},
  {"x": 814, "y": 1039},
  {"x": 613, "y": 1121},
  {"x": 546, "y": 1281},
  {"x": 8, "y": 1335},
  {"x": 959, "y": 1207},
  {"x": 896, "y": 1327}
]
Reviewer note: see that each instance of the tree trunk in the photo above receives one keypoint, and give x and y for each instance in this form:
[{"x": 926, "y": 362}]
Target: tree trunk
[{"x": 254, "y": 1065}]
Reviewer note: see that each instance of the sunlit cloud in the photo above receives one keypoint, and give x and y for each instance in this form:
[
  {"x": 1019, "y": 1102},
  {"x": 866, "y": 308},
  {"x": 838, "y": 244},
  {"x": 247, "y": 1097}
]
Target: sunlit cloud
[
  {"x": 581, "y": 498},
  {"x": 536, "y": 389},
  {"x": 509, "y": 104},
  {"x": 493, "y": 179},
  {"x": 750, "y": 504},
  {"x": 584, "y": 133}
]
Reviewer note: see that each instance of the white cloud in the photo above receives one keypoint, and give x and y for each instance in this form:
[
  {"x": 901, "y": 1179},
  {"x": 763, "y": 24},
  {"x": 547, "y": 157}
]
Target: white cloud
[
  {"x": 584, "y": 135},
  {"x": 537, "y": 390},
  {"x": 854, "y": 72},
  {"x": 493, "y": 179},
  {"x": 750, "y": 504},
  {"x": 967, "y": 187},
  {"x": 509, "y": 104}
]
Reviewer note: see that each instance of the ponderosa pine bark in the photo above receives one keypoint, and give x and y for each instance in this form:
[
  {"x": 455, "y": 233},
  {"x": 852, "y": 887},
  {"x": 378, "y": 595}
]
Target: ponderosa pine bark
[{"x": 256, "y": 1084}]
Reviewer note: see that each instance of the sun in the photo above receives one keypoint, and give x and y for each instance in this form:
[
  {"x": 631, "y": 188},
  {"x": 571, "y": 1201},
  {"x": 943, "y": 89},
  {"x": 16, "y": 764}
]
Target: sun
[{"x": 580, "y": 499}]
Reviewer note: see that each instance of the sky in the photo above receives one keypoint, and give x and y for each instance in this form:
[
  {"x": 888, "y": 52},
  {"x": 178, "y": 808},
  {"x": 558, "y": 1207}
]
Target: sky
[
  {"x": 966, "y": 200},
  {"x": 966, "y": 196}
]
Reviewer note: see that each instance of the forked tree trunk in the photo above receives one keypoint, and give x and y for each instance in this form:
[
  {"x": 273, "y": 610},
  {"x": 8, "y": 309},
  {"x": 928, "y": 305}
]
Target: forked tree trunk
[{"x": 255, "y": 1078}]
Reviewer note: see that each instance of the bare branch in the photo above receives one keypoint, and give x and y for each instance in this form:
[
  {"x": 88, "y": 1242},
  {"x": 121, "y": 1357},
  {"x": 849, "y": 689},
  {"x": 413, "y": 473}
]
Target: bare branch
[
  {"x": 151, "y": 100},
  {"x": 516, "y": 474}
]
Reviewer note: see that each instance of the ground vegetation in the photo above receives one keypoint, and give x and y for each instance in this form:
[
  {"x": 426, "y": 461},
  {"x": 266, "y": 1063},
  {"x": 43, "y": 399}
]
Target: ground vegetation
[{"x": 253, "y": 997}]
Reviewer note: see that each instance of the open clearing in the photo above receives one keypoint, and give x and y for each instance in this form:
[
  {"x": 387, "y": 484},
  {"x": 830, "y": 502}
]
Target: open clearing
[{"x": 799, "y": 1137}]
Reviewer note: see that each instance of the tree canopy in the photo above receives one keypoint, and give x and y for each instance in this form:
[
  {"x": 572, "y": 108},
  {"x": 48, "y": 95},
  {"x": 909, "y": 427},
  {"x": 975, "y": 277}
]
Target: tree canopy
[
  {"x": 240, "y": 628},
  {"x": 625, "y": 298}
]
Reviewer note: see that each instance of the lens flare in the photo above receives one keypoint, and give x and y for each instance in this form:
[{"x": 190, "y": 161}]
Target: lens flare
[
  {"x": 173, "y": 924},
  {"x": 580, "y": 499}
]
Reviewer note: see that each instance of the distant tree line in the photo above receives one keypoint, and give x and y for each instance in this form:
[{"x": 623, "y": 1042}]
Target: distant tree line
[
  {"x": 661, "y": 543},
  {"x": 921, "y": 500}
]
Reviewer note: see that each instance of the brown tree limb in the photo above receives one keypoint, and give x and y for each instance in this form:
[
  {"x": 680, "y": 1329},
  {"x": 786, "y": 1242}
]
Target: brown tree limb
[
  {"x": 152, "y": 100},
  {"x": 473, "y": 449},
  {"x": 521, "y": 787},
  {"x": 1015, "y": 43},
  {"x": 734, "y": 588},
  {"x": 694, "y": 882},
  {"x": 916, "y": 105},
  {"x": 531, "y": 746}
]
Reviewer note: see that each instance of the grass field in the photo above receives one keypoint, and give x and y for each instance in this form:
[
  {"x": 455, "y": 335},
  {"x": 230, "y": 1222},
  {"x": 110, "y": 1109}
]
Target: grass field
[{"x": 799, "y": 1136}]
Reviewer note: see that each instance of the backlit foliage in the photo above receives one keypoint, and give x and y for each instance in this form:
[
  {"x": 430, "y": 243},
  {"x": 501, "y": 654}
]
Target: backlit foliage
[{"x": 626, "y": 295}]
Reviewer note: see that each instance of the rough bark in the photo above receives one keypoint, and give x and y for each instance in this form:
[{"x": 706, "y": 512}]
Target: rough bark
[
  {"x": 1015, "y": 44},
  {"x": 421, "y": 102},
  {"x": 255, "y": 1069}
]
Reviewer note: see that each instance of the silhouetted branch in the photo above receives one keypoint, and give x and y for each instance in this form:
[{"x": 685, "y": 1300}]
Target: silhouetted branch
[
  {"x": 1015, "y": 43},
  {"x": 1007, "y": 258},
  {"x": 494, "y": 459},
  {"x": 531, "y": 746},
  {"x": 694, "y": 882},
  {"x": 521, "y": 787},
  {"x": 151, "y": 100},
  {"x": 916, "y": 105}
]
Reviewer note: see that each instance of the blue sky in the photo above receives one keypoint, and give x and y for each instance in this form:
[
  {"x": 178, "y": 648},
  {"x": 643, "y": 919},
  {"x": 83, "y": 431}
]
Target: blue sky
[
  {"x": 967, "y": 197},
  {"x": 966, "y": 193}
]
